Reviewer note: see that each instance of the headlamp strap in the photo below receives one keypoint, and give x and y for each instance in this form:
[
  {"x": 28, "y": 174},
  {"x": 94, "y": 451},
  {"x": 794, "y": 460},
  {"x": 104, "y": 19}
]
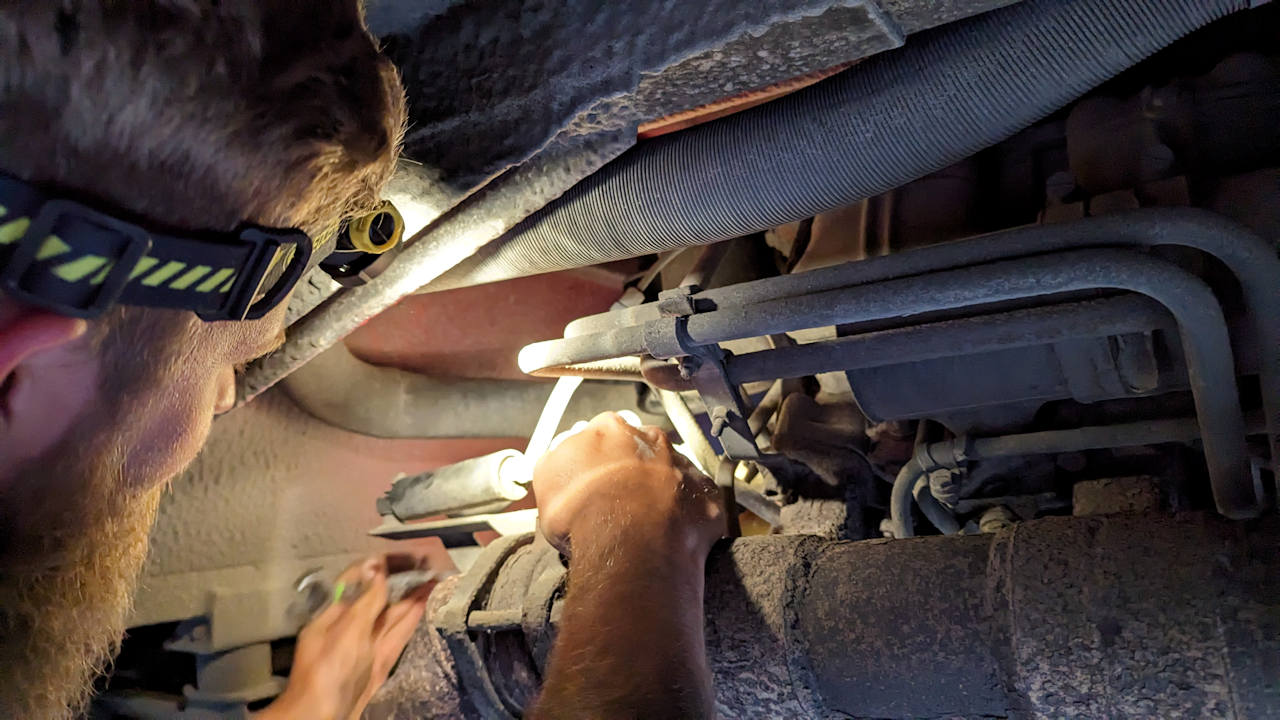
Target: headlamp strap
[{"x": 78, "y": 261}]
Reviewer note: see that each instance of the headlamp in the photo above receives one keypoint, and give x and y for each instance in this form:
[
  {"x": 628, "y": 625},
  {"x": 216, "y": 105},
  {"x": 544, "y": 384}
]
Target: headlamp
[{"x": 79, "y": 261}]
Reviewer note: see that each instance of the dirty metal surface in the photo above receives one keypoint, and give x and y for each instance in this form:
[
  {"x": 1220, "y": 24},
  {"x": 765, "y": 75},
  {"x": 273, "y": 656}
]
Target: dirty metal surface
[
  {"x": 490, "y": 85},
  {"x": 512, "y": 106},
  {"x": 1119, "y": 617},
  {"x": 425, "y": 682}
]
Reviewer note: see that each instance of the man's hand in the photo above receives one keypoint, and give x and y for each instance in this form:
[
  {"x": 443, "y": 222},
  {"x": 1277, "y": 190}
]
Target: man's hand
[
  {"x": 612, "y": 477},
  {"x": 637, "y": 521},
  {"x": 347, "y": 650}
]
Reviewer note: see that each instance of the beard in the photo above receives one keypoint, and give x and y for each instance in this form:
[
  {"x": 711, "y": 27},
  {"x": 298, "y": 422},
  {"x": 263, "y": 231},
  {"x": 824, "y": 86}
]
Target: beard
[{"x": 73, "y": 537}]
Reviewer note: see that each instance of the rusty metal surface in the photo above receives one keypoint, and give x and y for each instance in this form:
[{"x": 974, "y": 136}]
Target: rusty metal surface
[
  {"x": 1118, "y": 617},
  {"x": 424, "y": 685}
]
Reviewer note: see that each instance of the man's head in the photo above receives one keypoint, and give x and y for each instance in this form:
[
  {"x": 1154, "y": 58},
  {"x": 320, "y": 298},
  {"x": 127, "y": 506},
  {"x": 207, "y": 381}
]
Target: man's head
[{"x": 195, "y": 115}]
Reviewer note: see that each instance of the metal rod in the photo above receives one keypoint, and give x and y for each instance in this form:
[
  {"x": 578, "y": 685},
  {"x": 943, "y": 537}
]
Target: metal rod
[
  {"x": 457, "y": 235},
  {"x": 686, "y": 424},
  {"x": 1252, "y": 259},
  {"x": 1151, "y": 432},
  {"x": 1202, "y": 328},
  {"x": 1019, "y": 328}
]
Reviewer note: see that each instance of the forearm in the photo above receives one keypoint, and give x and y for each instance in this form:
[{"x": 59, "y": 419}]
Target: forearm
[{"x": 631, "y": 639}]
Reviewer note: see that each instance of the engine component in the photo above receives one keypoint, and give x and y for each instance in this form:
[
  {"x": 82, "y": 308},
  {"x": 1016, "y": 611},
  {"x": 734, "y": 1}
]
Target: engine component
[
  {"x": 913, "y": 282},
  {"x": 487, "y": 483},
  {"x": 993, "y": 625},
  {"x": 952, "y": 454}
]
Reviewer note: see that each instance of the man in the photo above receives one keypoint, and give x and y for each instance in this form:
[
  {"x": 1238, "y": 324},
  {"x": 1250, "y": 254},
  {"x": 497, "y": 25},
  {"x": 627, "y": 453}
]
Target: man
[
  {"x": 179, "y": 129},
  {"x": 190, "y": 118}
]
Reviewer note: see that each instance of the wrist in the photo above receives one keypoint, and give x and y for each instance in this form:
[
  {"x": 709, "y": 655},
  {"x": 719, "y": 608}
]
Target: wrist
[
  {"x": 295, "y": 702},
  {"x": 634, "y": 510},
  {"x": 629, "y": 543}
]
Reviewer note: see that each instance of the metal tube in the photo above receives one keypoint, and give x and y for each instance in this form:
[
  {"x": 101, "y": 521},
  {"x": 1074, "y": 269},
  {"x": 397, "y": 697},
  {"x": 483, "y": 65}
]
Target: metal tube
[
  {"x": 1019, "y": 328},
  {"x": 1201, "y": 326},
  {"x": 901, "y": 524},
  {"x": 460, "y": 488},
  {"x": 690, "y": 432},
  {"x": 1252, "y": 259},
  {"x": 1118, "y": 616},
  {"x": 1048, "y": 442},
  {"x": 765, "y": 409},
  {"x": 932, "y": 509},
  {"x": 552, "y": 413},
  {"x": 1150, "y": 432},
  {"x": 346, "y": 392},
  {"x": 452, "y": 238}
]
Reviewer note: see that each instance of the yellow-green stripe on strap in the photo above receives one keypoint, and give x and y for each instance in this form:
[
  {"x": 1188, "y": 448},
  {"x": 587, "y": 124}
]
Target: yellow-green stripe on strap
[
  {"x": 144, "y": 265},
  {"x": 171, "y": 268},
  {"x": 13, "y": 230},
  {"x": 80, "y": 268},
  {"x": 188, "y": 278},
  {"x": 102, "y": 274},
  {"x": 215, "y": 279},
  {"x": 51, "y": 248}
]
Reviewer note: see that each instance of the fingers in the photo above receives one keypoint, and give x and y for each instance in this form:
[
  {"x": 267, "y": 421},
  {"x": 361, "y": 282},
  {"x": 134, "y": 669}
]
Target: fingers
[
  {"x": 397, "y": 624},
  {"x": 347, "y": 587}
]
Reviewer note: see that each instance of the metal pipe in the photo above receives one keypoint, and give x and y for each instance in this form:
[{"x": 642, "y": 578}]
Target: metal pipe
[
  {"x": 1148, "y": 432},
  {"x": 447, "y": 241},
  {"x": 686, "y": 424},
  {"x": 1201, "y": 326},
  {"x": 1049, "y": 442},
  {"x": 765, "y": 409},
  {"x": 1018, "y": 328},
  {"x": 901, "y": 523},
  {"x": 486, "y": 483},
  {"x": 932, "y": 509},
  {"x": 1250, "y": 258},
  {"x": 1117, "y": 616},
  {"x": 346, "y": 392},
  {"x": 552, "y": 413}
]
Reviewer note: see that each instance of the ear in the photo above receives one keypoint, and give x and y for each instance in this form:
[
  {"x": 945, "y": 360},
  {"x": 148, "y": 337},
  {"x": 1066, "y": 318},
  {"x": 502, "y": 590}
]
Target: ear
[
  {"x": 40, "y": 386},
  {"x": 26, "y": 331}
]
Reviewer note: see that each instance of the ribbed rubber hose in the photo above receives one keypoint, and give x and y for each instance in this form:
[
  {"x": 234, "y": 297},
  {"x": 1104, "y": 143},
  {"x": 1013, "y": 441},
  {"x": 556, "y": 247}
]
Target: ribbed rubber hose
[{"x": 896, "y": 117}]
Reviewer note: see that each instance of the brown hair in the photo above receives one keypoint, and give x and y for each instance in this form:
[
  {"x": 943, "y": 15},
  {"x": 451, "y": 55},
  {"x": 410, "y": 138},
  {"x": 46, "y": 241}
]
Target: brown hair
[{"x": 200, "y": 114}]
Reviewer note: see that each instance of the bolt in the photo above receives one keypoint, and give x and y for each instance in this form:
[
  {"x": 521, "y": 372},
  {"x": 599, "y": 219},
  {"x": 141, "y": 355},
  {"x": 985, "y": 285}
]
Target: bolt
[
  {"x": 689, "y": 366},
  {"x": 200, "y": 632},
  {"x": 996, "y": 518},
  {"x": 719, "y": 420},
  {"x": 945, "y": 486}
]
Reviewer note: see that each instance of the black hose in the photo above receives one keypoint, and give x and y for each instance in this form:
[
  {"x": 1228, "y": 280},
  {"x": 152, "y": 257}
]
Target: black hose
[{"x": 894, "y": 118}]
